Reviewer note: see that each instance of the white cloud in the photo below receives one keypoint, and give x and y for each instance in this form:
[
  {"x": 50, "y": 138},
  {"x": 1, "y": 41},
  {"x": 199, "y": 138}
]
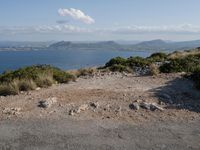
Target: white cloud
[
  {"x": 183, "y": 28},
  {"x": 76, "y": 14},
  {"x": 128, "y": 30},
  {"x": 43, "y": 29}
]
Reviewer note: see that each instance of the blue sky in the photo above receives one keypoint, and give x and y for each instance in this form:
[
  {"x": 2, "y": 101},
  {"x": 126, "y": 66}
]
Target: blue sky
[{"x": 81, "y": 20}]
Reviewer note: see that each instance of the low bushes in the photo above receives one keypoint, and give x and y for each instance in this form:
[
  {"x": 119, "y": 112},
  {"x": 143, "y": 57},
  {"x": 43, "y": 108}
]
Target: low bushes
[
  {"x": 9, "y": 89},
  {"x": 29, "y": 78},
  {"x": 85, "y": 72},
  {"x": 126, "y": 65},
  {"x": 190, "y": 63},
  {"x": 187, "y": 61},
  {"x": 158, "y": 57},
  {"x": 116, "y": 61}
]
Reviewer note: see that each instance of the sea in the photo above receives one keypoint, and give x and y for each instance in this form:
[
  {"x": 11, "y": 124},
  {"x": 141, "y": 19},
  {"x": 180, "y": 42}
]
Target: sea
[{"x": 64, "y": 59}]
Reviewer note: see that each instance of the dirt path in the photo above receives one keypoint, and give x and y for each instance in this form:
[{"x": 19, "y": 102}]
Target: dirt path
[
  {"x": 97, "y": 113},
  {"x": 114, "y": 95}
]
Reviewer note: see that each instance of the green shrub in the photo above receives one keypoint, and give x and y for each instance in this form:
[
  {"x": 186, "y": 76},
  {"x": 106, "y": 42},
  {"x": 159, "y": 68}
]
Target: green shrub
[
  {"x": 116, "y": 61},
  {"x": 137, "y": 62},
  {"x": 33, "y": 72},
  {"x": 158, "y": 57},
  {"x": 119, "y": 68},
  {"x": 62, "y": 77},
  {"x": 29, "y": 78},
  {"x": 186, "y": 64}
]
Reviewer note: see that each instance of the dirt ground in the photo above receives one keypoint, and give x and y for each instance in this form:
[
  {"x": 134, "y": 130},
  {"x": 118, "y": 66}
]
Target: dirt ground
[
  {"x": 114, "y": 94},
  {"x": 97, "y": 113}
]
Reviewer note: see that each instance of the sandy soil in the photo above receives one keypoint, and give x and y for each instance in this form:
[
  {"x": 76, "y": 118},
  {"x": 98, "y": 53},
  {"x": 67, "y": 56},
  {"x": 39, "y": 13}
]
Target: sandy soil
[
  {"x": 114, "y": 93},
  {"x": 102, "y": 115}
]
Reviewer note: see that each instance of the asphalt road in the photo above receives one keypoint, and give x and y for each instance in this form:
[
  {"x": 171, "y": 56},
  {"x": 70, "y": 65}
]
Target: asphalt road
[{"x": 98, "y": 135}]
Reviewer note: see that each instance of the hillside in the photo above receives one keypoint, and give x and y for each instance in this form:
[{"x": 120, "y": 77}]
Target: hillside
[
  {"x": 154, "y": 45},
  {"x": 110, "y": 45}
]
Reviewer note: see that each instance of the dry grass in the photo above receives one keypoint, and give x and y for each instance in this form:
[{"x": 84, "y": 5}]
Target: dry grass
[
  {"x": 183, "y": 54},
  {"x": 16, "y": 86},
  {"x": 154, "y": 69},
  {"x": 44, "y": 80},
  {"x": 85, "y": 72},
  {"x": 26, "y": 85},
  {"x": 9, "y": 89}
]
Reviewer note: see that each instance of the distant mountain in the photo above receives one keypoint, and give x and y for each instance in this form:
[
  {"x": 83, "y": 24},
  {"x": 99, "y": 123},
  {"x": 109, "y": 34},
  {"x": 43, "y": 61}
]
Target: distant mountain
[
  {"x": 154, "y": 45},
  {"x": 108, "y": 45},
  {"x": 150, "y": 45},
  {"x": 7, "y": 44},
  {"x": 160, "y": 45}
]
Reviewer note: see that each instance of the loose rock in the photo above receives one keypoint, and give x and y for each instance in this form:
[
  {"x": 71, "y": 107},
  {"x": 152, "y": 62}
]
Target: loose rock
[
  {"x": 71, "y": 112},
  {"x": 94, "y": 105},
  {"x": 145, "y": 105},
  {"x": 38, "y": 88},
  {"x": 12, "y": 111},
  {"x": 78, "y": 110},
  {"x": 82, "y": 108},
  {"x": 47, "y": 103},
  {"x": 151, "y": 106},
  {"x": 155, "y": 106},
  {"x": 135, "y": 106}
]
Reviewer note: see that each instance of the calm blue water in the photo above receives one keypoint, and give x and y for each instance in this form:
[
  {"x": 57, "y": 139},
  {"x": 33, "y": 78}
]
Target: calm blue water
[{"x": 64, "y": 59}]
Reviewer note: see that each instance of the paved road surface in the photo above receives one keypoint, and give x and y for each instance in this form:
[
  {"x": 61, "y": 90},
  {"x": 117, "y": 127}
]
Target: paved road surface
[{"x": 97, "y": 135}]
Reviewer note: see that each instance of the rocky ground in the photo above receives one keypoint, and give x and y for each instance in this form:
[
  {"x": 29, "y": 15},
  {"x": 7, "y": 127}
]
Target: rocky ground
[{"x": 154, "y": 104}]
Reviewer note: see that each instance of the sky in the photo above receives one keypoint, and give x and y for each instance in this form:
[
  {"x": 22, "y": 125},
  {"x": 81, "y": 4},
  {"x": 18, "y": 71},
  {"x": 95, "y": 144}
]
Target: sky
[{"x": 99, "y": 20}]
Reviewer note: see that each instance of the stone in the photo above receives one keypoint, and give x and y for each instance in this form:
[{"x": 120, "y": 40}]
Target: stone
[
  {"x": 71, "y": 112},
  {"x": 12, "y": 111},
  {"x": 82, "y": 108},
  {"x": 2, "y": 97},
  {"x": 145, "y": 105},
  {"x": 78, "y": 110},
  {"x": 151, "y": 106},
  {"x": 38, "y": 88},
  {"x": 47, "y": 103},
  {"x": 134, "y": 106},
  {"x": 94, "y": 105},
  {"x": 155, "y": 106}
]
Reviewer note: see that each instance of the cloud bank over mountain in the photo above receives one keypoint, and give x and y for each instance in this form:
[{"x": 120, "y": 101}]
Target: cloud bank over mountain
[{"x": 68, "y": 28}]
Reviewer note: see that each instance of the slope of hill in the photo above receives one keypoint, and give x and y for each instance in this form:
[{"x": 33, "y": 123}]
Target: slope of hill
[
  {"x": 160, "y": 45},
  {"x": 110, "y": 45},
  {"x": 154, "y": 45}
]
